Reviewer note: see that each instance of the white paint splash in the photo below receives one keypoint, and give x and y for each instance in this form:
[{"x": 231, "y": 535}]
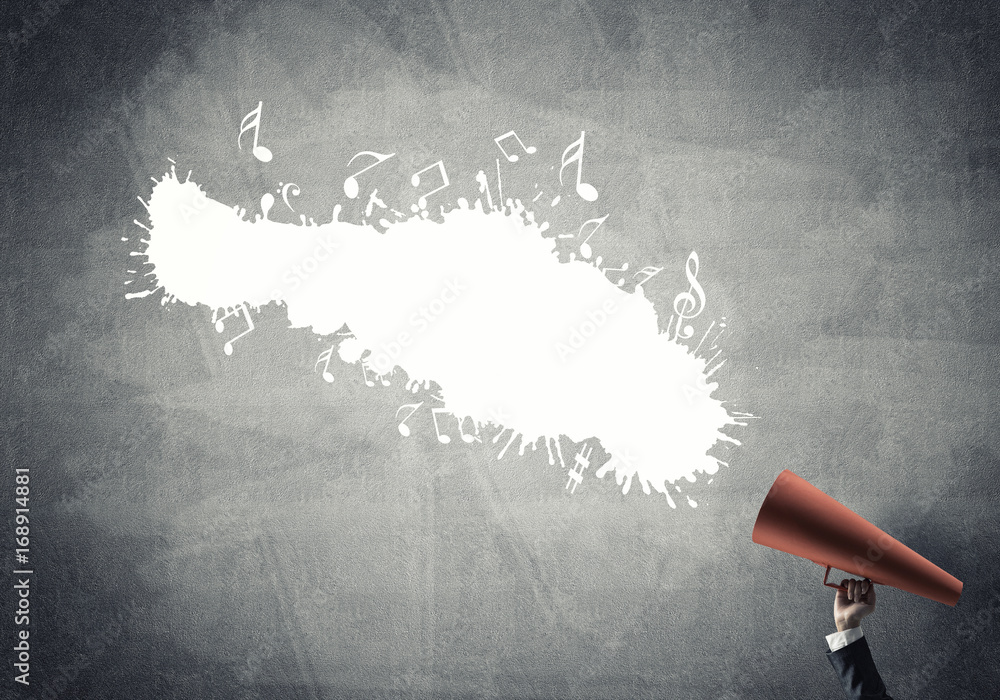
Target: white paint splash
[{"x": 478, "y": 304}]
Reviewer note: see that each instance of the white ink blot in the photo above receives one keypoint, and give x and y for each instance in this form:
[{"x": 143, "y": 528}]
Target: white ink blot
[{"x": 479, "y": 304}]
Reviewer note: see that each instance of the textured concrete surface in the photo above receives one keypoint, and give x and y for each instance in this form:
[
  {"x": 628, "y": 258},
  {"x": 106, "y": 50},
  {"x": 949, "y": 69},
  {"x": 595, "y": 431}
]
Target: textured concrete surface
[{"x": 233, "y": 527}]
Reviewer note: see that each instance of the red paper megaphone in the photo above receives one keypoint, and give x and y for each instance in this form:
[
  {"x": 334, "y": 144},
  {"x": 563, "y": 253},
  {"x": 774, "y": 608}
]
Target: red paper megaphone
[{"x": 798, "y": 518}]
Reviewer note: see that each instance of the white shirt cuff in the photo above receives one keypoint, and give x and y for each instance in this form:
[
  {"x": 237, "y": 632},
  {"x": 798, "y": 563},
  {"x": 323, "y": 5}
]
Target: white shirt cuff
[{"x": 839, "y": 640}]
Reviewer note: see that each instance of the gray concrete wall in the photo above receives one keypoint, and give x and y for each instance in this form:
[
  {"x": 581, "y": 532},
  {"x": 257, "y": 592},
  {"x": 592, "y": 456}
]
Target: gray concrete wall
[{"x": 233, "y": 527}]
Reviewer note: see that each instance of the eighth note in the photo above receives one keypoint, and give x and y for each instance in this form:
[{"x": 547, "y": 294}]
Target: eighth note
[
  {"x": 585, "y": 250},
  {"x": 351, "y": 183},
  {"x": 623, "y": 268},
  {"x": 404, "y": 429},
  {"x": 510, "y": 156},
  {"x": 260, "y": 152},
  {"x": 415, "y": 181},
  {"x": 585, "y": 190},
  {"x": 325, "y": 355},
  {"x": 650, "y": 273},
  {"x": 368, "y": 382}
]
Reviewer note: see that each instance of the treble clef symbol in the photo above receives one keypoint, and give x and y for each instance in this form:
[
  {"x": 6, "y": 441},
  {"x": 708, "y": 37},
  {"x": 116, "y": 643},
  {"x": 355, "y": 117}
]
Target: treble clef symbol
[{"x": 686, "y": 304}]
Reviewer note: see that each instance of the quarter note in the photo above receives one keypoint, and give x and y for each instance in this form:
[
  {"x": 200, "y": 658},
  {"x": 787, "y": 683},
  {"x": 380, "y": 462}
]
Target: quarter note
[
  {"x": 220, "y": 326},
  {"x": 325, "y": 356},
  {"x": 443, "y": 439},
  {"x": 686, "y": 304},
  {"x": 415, "y": 181},
  {"x": 404, "y": 429},
  {"x": 585, "y": 190},
  {"x": 351, "y": 183},
  {"x": 511, "y": 157},
  {"x": 252, "y": 121}
]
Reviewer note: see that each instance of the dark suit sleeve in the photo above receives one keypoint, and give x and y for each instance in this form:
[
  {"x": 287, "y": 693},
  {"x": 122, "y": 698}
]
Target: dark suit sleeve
[{"x": 856, "y": 669}]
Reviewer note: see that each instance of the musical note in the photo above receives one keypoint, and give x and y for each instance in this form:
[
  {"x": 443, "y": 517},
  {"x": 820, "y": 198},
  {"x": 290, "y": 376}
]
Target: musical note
[
  {"x": 509, "y": 156},
  {"x": 650, "y": 273},
  {"x": 368, "y": 382},
  {"x": 465, "y": 436},
  {"x": 689, "y": 305},
  {"x": 576, "y": 471},
  {"x": 586, "y": 191},
  {"x": 585, "y": 250},
  {"x": 484, "y": 186},
  {"x": 260, "y": 152},
  {"x": 325, "y": 355},
  {"x": 623, "y": 268},
  {"x": 220, "y": 326},
  {"x": 415, "y": 181},
  {"x": 351, "y": 183},
  {"x": 443, "y": 439},
  {"x": 404, "y": 429}
]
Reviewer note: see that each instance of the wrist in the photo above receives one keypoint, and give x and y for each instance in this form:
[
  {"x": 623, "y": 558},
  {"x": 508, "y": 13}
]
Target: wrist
[{"x": 847, "y": 624}]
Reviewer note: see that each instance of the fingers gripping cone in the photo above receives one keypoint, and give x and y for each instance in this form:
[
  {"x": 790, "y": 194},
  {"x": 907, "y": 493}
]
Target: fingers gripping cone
[{"x": 798, "y": 518}]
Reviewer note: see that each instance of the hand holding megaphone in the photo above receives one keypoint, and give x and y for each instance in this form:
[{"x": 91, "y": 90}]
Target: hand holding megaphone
[
  {"x": 798, "y": 518},
  {"x": 855, "y": 601}
]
